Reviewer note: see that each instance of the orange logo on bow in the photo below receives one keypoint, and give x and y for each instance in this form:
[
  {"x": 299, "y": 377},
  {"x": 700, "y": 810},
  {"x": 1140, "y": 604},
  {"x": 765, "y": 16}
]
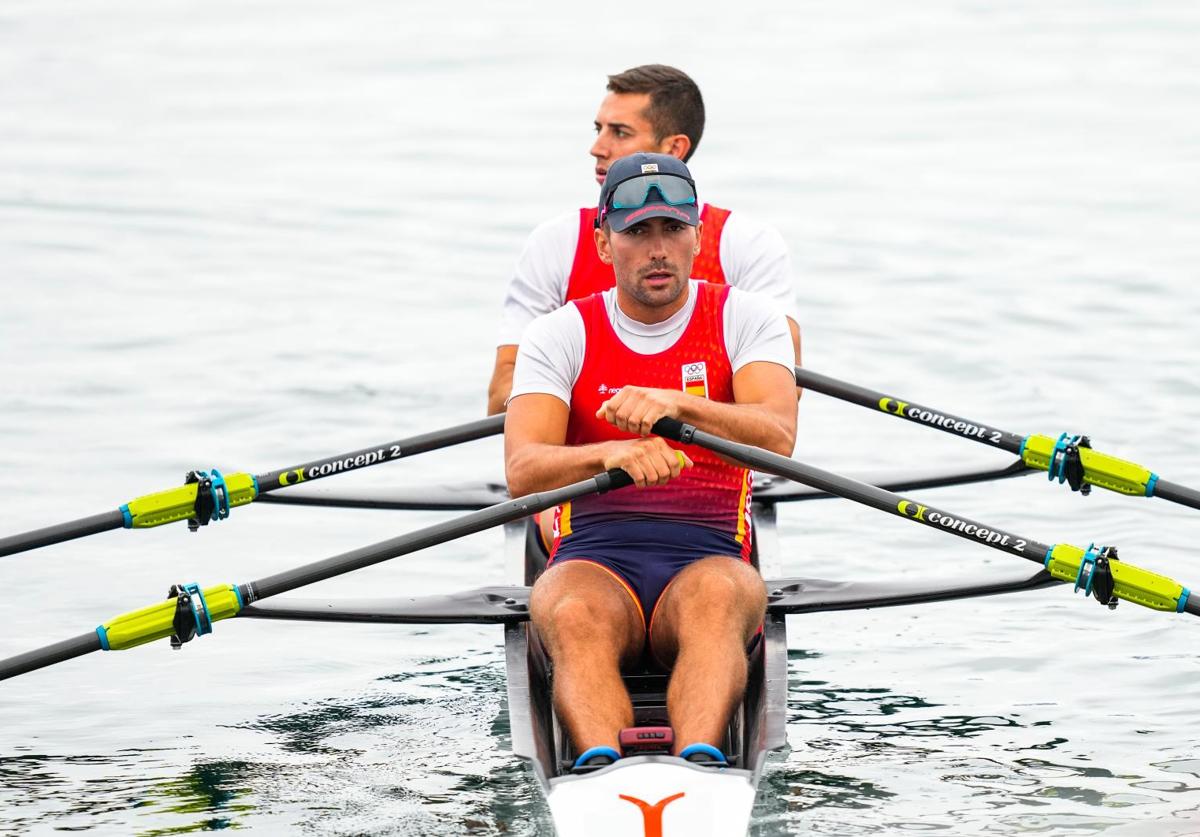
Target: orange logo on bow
[{"x": 652, "y": 815}]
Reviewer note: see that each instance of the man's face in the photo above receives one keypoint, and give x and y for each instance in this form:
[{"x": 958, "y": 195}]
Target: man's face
[
  {"x": 622, "y": 129},
  {"x": 652, "y": 261}
]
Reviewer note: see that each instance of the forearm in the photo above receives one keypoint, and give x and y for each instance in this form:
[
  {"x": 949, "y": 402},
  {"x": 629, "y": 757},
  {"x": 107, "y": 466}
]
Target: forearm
[
  {"x": 749, "y": 424},
  {"x": 498, "y": 390},
  {"x": 500, "y": 386},
  {"x": 539, "y": 467}
]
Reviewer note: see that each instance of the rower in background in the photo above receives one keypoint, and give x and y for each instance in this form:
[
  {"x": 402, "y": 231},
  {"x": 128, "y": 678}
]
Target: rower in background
[
  {"x": 660, "y": 571},
  {"x": 651, "y": 108}
]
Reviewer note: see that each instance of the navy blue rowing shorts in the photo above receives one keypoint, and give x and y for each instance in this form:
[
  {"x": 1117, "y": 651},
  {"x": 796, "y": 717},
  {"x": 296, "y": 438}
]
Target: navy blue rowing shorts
[{"x": 645, "y": 555}]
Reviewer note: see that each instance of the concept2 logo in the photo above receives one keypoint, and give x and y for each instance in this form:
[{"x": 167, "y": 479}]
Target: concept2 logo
[
  {"x": 932, "y": 517},
  {"x": 924, "y": 415},
  {"x": 316, "y": 470},
  {"x": 652, "y": 815}
]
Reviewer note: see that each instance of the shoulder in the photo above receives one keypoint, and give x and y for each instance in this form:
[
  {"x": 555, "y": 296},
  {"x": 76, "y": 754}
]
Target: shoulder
[
  {"x": 755, "y": 330},
  {"x": 743, "y": 230},
  {"x": 550, "y": 355},
  {"x": 562, "y": 326},
  {"x": 755, "y": 257},
  {"x": 562, "y": 229},
  {"x": 747, "y": 306}
]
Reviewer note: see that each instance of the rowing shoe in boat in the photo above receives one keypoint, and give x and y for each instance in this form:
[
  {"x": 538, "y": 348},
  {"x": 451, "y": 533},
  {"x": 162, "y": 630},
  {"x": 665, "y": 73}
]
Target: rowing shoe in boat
[{"x": 643, "y": 794}]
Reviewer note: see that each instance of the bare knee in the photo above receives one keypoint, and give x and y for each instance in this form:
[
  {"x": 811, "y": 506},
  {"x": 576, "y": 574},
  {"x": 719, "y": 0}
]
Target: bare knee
[
  {"x": 572, "y": 620},
  {"x": 580, "y": 624}
]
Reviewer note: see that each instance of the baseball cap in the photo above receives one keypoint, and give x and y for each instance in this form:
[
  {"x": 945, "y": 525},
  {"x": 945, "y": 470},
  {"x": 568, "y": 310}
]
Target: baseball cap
[{"x": 643, "y": 186}]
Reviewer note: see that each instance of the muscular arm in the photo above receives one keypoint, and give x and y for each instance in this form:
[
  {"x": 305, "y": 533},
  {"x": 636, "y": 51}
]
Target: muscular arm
[
  {"x": 536, "y": 458},
  {"x": 763, "y": 413},
  {"x": 755, "y": 258},
  {"x": 502, "y": 375}
]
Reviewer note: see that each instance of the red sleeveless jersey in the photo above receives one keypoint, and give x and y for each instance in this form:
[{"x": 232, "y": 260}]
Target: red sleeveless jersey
[
  {"x": 712, "y": 493},
  {"x": 589, "y": 275}
]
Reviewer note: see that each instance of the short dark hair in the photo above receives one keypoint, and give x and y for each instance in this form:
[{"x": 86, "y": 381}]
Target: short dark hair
[{"x": 676, "y": 106}]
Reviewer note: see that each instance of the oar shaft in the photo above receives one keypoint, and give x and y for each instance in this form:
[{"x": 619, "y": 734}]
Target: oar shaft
[
  {"x": 916, "y": 413},
  {"x": 58, "y": 533},
  {"x": 180, "y": 503},
  {"x": 387, "y": 452},
  {"x": 467, "y": 524},
  {"x": 1039, "y": 452},
  {"x": 1177, "y": 493},
  {"x": 59, "y": 652},
  {"x": 224, "y": 601},
  {"x": 1063, "y": 561},
  {"x": 861, "y": 492}
]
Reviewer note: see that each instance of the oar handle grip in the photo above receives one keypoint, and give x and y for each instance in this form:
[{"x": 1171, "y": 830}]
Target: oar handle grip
[
  {"x": 673, "y": 429},
  {"x": 612, "y": 479}
]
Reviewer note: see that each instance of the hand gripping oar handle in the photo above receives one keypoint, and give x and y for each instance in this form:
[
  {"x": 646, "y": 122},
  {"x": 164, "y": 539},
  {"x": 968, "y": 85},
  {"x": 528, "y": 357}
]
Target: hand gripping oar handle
[
  {"x": 188, "y": 501},
  {"x": 225, "y": 600},
  {"x": 1064, "y": 562},
  {"x": 1042, "y": 453}
]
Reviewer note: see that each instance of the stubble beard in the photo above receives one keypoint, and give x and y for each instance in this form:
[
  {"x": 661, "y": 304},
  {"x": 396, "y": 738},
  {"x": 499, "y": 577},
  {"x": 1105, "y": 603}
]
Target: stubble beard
[{"x": 656, "y": 297}]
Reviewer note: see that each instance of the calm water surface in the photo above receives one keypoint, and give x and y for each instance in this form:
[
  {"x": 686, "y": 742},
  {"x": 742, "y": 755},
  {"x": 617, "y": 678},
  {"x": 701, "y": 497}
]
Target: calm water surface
[{"x": 249, "y": 234}]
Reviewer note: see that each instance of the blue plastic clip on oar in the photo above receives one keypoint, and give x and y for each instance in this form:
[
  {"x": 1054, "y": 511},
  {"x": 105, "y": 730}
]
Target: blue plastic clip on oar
[
  {"x": 191, "y": 614},
  {"x": 212, "y": 498},
  {"x": 1066, "y": 466},
  {"x": 1087, "y": 569},
  {"x": 1095, "y": 576}
]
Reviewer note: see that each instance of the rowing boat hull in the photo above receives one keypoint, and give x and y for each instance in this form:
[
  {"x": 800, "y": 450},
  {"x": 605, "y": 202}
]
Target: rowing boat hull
[{"x": 652, "y": 795}]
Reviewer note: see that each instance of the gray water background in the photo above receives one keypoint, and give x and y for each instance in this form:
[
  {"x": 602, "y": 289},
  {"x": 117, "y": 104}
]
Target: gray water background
[{"x": 247, "y": 234}]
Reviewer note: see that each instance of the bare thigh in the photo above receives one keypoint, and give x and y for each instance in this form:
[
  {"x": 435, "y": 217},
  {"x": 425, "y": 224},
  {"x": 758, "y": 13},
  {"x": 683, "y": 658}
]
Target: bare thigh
[
  {"x": 580, "y": 607},
  {"x": 716, "y": 597}
]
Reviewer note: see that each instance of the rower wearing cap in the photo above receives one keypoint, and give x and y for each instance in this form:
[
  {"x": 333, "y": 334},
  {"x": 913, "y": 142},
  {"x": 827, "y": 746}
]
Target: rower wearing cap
[
  {"x": 661, "y": 570},
  {"x": 650, "y": 108}
]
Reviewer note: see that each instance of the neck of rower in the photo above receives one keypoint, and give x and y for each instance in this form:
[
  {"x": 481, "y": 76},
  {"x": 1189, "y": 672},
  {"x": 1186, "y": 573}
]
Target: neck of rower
[{"x": 651, "y": 314}]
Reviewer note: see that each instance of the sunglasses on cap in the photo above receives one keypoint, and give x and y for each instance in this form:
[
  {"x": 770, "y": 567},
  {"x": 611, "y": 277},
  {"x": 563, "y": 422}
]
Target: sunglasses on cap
[{"x": 633, "y": 193}]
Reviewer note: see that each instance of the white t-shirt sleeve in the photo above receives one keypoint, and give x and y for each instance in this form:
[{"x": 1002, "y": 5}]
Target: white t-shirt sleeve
[
  {"x": 755, "y": 330},
  {"x": 539, "y": 281},
  {"x": 550, "y": 356},
  {"x": 755, "y": 258}
]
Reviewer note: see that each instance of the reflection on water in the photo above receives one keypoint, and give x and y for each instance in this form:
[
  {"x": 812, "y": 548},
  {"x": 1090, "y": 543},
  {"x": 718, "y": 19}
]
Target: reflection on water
[
  {"x": 424, "y": 752},
  {"x": 82, "y": 793},
  {"x": 862, "y": 758},
  {"x": 204, "y": 790}
]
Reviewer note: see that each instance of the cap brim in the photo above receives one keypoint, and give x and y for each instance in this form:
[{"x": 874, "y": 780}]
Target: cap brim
[{"x": 622, "y": 219}]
